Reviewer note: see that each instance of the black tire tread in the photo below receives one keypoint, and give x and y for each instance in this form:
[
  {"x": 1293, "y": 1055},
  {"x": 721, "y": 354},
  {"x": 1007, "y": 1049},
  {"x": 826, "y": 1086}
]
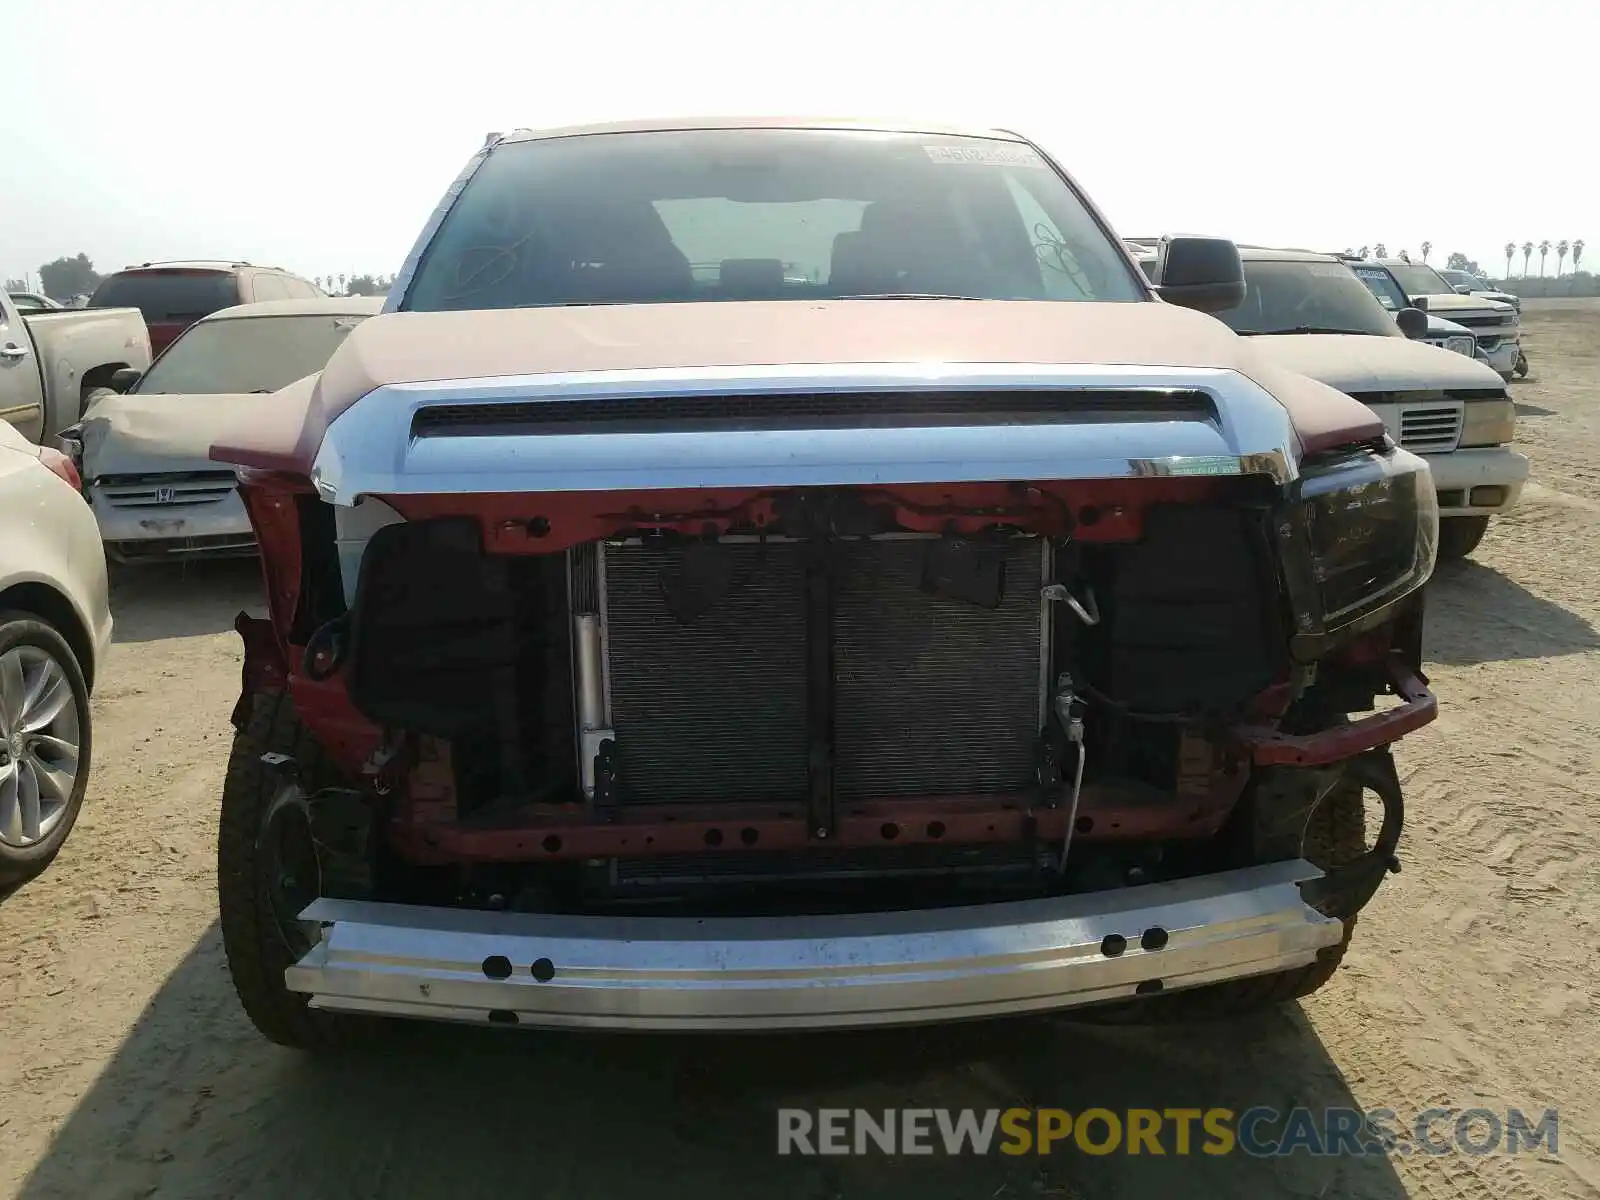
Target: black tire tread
[
  {"x": 256, "y": 954},
  {"x": 1335, "y": 834},
  {"x": 1459, "y": 536}
]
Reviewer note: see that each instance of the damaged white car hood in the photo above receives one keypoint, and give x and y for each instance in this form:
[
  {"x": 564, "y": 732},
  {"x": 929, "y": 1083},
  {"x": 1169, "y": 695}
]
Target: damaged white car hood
[
  {"x": 1367, "y": 363},
  {"x": 159, "y": 434}
]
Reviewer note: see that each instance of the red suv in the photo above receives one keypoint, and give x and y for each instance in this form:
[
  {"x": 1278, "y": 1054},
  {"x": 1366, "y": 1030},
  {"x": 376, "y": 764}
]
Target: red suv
[{"x": 174, "y": 295}]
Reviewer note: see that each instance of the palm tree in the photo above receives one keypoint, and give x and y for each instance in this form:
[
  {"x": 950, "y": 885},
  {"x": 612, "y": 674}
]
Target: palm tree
[
  {"x": 1511, "y": 248},
  {"x": 1426, "y": 247},
  {"x": 341, "y": 281},
  {"x": 1527, "y": 253},
  {"x": 1380, "y": 251},
  {"x": 1561, "y": 255},
  {"x": 1362, "y": 252},
  {"x": 1544, "y": 251},
  {"x": 1577, "y": 254}
]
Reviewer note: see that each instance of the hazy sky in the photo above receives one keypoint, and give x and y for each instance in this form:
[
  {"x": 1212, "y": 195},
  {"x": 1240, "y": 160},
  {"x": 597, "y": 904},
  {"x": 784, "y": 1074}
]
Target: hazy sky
[{"x": 318, "y": 136}]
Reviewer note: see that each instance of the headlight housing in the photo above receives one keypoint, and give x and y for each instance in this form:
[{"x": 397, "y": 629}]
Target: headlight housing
[
  {"x": 1359, "y": 535},
  {"x": 1488, "y": 423},
  {"x": 1462, "y": 344}
]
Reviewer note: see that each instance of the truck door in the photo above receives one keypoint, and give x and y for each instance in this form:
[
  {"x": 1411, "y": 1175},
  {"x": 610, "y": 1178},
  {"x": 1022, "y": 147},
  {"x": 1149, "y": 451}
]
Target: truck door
[{"x": 21, "y": 385}]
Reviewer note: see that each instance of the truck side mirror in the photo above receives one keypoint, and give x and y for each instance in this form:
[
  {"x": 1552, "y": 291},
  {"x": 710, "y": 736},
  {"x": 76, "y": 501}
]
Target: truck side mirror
[
  {"x": 124, "y": 378},
  {"x": 1413, "y": 322},
  {"x": 1202, "y": 273}
]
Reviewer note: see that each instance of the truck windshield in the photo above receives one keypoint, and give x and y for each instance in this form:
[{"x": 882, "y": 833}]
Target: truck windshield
[
  {"x": 1383, "y": 286},
  {"x": 247, "y": 354},
  {"x": 765, "y": 214},
  {"x": 1307, "y": 297},
  {"x": 1419, "y": 280}
]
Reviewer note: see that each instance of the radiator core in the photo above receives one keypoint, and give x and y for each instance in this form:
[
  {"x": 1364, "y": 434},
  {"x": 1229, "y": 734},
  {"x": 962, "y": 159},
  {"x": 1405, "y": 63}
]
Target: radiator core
[{"x": 932, "y": 695}]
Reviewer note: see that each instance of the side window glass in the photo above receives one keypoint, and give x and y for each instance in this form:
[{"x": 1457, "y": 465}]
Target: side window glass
[{"x": 268, "y": 287}]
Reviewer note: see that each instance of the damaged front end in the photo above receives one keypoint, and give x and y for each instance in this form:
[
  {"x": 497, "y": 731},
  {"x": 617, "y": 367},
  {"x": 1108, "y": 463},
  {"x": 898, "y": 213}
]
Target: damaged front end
[{"x": 663, "y": 702}]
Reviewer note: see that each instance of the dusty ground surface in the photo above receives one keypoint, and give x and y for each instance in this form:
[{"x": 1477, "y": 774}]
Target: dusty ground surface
[{"x": 127, "y": 1069}]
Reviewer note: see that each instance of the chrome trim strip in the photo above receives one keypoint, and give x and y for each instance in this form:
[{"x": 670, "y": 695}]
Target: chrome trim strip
[
  {"x": 665, "y": 973},
  {"x": 370, "y": 449},
  {"x": 20, "y": 410}
]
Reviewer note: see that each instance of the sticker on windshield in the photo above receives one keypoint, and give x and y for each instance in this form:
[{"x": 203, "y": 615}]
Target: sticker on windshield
[
  {"x": 1327, "y": 270},
  {"x": 996, "y": 154}
]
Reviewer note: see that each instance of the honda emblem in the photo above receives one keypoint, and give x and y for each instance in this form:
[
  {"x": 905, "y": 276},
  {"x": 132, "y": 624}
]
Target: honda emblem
[{"x": 166, "y": 495}]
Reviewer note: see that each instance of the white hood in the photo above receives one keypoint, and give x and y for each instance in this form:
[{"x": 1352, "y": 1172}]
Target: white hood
[
  {"x": 158, "y": 434},
  {"x": 1362, "y": 363}
]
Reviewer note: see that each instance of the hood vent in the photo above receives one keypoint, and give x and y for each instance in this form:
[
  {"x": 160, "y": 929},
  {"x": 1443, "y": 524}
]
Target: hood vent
[{"x": 812, "y": 410}]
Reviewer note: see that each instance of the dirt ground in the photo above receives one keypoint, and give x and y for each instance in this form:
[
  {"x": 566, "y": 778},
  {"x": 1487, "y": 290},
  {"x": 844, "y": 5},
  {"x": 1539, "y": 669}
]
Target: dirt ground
[{"x": 128, "y": 1070}]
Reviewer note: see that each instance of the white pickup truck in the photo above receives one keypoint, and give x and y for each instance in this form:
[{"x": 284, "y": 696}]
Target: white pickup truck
[
  {"x": 1496, "y": 325},
  {"x": 52, "y": 364}
]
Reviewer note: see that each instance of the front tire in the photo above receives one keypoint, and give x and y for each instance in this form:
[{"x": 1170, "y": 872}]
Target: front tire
[
  {"x": 1459, "y": 536},
  {"x": 260, "y": 937},
  {"x": 45, "y": 742},
  {"x": 1335, "y": 834}
]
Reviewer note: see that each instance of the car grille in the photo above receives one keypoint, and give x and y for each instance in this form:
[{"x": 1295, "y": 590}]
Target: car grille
[
  {"x": 167, "y": 491},
  {"x": 1482, "y": 321},
  {"x": 1430, "y": 428}
]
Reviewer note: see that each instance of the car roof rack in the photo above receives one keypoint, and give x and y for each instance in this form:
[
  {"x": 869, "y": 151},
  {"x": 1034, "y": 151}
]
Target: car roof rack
[{"x": 198, "y": 262}]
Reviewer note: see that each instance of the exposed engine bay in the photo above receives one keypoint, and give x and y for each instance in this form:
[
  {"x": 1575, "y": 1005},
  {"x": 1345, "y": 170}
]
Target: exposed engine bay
[{"x": 1008, "y": 689}]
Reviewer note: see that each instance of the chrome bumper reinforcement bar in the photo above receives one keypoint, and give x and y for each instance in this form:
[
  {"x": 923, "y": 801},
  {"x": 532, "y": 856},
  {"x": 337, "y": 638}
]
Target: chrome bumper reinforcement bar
[{"x": 717, "y": 975}]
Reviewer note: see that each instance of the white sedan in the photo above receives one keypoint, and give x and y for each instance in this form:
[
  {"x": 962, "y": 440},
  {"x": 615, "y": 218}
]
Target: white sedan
[
  {"x": 145, "y": 453},
  {"x": 55, "y": 629}
]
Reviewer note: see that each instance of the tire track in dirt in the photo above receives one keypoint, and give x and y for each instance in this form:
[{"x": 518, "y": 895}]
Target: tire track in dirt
[{"x": 1482, "y": 949}]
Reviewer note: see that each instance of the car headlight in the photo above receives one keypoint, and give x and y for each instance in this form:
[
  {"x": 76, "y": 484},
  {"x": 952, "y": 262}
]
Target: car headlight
[
  {"x": 1488, "y": 423},
  {"x": 1462, "y": 344},
  {"x": 1359, "y": 535}
]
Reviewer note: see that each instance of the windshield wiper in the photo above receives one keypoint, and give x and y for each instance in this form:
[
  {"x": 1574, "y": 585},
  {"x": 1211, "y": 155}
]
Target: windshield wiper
[{"x": 1303, "y": 329}]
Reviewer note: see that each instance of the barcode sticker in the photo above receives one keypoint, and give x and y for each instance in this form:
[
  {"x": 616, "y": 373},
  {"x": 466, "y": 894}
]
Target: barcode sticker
[{"x": 991, "y": 154}]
